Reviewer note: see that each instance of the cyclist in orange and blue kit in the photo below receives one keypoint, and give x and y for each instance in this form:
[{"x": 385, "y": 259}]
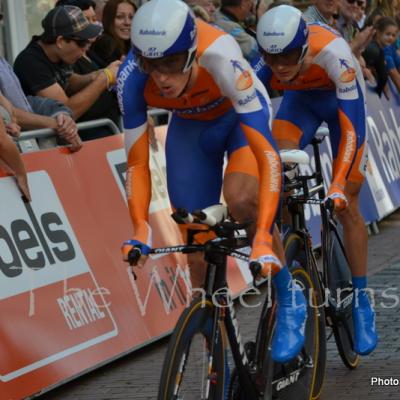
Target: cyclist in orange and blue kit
[
  {"x": 322, "y": 82},
  {"x": 218, "y": 106}
]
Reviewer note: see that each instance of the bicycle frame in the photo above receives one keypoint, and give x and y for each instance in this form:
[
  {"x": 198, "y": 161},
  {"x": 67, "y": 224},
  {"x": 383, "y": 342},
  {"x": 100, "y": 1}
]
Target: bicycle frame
[
  {"x": 328, "y": 223},
  {"x": 216, "y": 288}
]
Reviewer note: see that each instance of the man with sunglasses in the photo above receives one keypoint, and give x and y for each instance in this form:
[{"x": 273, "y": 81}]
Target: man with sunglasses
[
  {"x": 346, "y": 24},
  {"x": 44, "y": 68},
  {"x": 218, "y": 106},
  {"x": 324, "y": 11},
  {"x": 323, "y": 82}
]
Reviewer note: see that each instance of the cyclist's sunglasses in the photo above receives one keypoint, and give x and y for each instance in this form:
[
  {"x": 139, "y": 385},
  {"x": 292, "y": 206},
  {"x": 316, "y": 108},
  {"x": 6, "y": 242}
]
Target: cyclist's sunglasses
[
  {"x": 360, "y": 3},
  {"x": 173, "y": 64},
  {"x": 81, "y": 43},
  {"x": 287, "y": 59}
]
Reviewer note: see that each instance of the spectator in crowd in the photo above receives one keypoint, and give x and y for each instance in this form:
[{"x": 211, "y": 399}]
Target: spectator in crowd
[
  {"x": 381, "y": 54},
  {"x": 375, "y": 61},
  {"x": 323, "y": 11},
  {"x": 201, "y": 13},
  {"x": 99, "y": 9},
  {"x": 11, "y": 161},
  {"x": 386, "y": 8},
  {"x": 44, "y": 67},
  {"x": 373, "y": 16},
  {"x": 231, "y": 18},
  {"x": 260, "y": 8},
  {"x": 277, "y": 3},
  {"x": 369, "y": 77},
  {"x": 34, "y": 112},
  {"x": 199, "y": 5},
  {"x": 88, "y": 8},
  {"x": 346, "y": 23},
  {"x": 361, "y": 13},
  {"x": 106, "y": 106},
  {"x": 8, "y": 117},
  {"x": 115, "y": 42},
  {"x": 16, "y": 119},
  {"x": 347, "y": 26}
]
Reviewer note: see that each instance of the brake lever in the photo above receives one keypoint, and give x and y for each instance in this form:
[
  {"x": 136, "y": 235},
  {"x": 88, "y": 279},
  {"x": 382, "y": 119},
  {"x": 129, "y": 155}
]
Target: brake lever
[
  {"x": 255, "y": 269},
  {"x": 133, "y": 258}
]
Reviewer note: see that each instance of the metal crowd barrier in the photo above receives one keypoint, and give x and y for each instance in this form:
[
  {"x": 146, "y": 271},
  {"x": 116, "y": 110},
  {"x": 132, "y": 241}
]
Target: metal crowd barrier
[{"x": 39, "y": 139}]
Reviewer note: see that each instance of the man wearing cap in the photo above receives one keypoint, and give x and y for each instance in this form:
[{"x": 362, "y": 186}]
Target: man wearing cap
[{"x": 44, "y": 67}]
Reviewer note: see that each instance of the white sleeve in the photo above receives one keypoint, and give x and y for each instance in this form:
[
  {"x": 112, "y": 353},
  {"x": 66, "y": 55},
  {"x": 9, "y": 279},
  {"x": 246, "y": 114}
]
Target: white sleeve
[
  {"x": 234, "y": 75},
  {"x": 342, "y": 68}
]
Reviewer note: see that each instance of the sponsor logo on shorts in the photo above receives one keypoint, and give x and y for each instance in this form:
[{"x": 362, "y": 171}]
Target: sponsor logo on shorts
[
  {"x": 275, "y": 171},
  {"x": 350, "y": 146}
]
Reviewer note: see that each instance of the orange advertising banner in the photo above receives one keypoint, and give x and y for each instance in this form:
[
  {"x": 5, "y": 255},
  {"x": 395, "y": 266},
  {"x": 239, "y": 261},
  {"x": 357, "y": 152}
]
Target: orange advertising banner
[{"x": 67, "y": 300}]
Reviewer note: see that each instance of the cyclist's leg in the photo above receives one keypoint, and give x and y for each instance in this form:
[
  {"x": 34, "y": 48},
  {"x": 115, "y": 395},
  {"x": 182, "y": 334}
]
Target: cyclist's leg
[
  {"x": 195, "y": 156},
  {"x": 355, "y": 232},
  {"x": 356, "y": 244},
  {"x": 240, "y": 190}
]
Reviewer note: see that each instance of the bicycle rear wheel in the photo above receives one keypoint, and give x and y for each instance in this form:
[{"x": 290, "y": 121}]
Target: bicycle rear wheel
[
  {"x": 340, "y": 300},
  {"x": 185, "y": 371},
  {"x": 295, "y": 254}
]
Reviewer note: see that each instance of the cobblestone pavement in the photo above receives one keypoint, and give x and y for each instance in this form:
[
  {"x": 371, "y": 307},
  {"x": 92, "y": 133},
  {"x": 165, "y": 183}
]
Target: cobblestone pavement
[{"x": 136, "y": 375}]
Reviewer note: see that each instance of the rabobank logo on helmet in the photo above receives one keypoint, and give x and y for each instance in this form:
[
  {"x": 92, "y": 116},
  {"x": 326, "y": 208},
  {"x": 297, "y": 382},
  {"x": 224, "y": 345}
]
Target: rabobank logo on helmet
[
  {"x": 274, "y": 33},
  {"x": 284, "y": 27},
  {"x": 164, "y": 27},
  {"x": 152, "y": 32}
]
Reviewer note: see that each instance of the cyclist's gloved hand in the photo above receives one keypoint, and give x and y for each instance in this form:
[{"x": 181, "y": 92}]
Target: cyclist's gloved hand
[
  {"x": 263, "y": 260},
  {"x": 336, "y": 194},
  {"x": 135, "y": 252}
]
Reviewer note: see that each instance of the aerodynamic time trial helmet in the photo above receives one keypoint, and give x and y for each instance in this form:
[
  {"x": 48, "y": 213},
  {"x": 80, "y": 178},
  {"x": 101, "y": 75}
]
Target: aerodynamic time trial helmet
[
  {"x": 163, "y": 28},
  {"x": 281, "y": 30}
]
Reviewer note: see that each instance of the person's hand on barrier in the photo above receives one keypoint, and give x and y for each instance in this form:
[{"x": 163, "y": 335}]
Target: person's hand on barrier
[
  {"x": 336, "y": 194},
  {"x": 22, "y": 182},
  {"x": 68, "y": 130},
  {"x": 13, "y": 129},
  {"x": 66, "y": 126},
  {"x": 75, "y": 144},
  {"x": 135, "y": 253}
]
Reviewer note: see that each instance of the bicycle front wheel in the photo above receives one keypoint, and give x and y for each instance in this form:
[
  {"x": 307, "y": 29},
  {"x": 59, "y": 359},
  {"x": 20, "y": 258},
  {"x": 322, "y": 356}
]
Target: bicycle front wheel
[{"x": 190, "y": 372}]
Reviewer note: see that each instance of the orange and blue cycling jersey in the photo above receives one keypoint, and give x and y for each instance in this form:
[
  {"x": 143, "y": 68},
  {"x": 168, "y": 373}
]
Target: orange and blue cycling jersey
[
  {"x": 331, "y": 90},
  {"x": 227, "y": 110}
]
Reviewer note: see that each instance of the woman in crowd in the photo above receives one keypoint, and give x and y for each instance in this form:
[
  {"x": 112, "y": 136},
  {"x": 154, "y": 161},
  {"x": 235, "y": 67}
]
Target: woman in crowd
[
  {"x": 380, "y": 55},
  {"x": 115, "y": 41}
]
